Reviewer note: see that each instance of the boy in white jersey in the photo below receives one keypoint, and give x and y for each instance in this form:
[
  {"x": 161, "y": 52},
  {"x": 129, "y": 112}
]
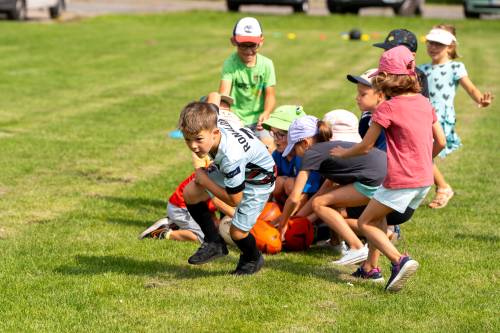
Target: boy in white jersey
[{"x": 242, "y": 175}]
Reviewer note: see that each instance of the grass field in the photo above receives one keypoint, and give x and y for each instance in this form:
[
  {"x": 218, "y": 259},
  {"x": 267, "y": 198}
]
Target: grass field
[{"x": 85, "y": 165}]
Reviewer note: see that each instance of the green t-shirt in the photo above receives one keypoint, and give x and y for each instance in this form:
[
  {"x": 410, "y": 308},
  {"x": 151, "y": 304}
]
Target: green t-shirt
[{"x": 248, "y": 85}]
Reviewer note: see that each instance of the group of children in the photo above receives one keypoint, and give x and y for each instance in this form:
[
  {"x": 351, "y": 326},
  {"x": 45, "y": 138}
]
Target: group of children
[{"x": 360, "y": 178}]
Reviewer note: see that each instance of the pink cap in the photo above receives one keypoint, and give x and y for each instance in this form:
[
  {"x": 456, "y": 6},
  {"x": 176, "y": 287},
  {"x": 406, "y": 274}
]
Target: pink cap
[{"x": 398, "y": 60}]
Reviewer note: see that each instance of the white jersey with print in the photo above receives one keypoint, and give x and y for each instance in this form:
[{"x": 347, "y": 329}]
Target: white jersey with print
[
  {"x": 243, "y": 160},
  {"x": 243, "y": 164}
]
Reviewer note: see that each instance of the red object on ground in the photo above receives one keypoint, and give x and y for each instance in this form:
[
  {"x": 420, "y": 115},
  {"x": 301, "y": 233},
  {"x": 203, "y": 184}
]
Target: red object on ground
[{"x": 299, "y": 234}]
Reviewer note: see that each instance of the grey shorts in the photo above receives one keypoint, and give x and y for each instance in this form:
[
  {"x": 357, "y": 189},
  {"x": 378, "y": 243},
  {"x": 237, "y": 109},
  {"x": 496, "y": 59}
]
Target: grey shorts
[
  {"x": 182, "y": 219},
  {"x": 262, "y": 134}
]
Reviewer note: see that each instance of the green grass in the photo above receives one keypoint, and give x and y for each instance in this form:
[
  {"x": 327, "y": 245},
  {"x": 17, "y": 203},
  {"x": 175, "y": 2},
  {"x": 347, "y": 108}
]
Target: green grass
[{"x": 85, "y": 165}]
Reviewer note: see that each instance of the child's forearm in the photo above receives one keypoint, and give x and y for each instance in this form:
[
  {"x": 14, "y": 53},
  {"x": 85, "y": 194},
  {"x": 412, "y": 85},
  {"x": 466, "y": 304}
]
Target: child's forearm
[
  {"x": 439, "y": 139},
  {"x": 223, "y": 207},
  {"x": 356, "y": 150},
  {"x": 471, "y": 89},
  {"x": 290, "y": 206},
  {"x": 219, "y": 192},
  {"x": 366, "y": 144},
  {"x": 269, "y": 101}
]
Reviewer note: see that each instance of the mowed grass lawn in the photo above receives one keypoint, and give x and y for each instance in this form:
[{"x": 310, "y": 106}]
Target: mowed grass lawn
[{"x": 86, "y": 164}]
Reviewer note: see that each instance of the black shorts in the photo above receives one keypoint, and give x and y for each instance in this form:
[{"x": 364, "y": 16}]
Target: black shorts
[{"x": 393, "y": 218}]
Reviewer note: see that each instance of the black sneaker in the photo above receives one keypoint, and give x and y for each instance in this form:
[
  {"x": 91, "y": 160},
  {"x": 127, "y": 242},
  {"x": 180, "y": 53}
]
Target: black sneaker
[
  {"x": 401, "y": 272},
  {"x": 248, "y": 267},
  {"x": 158, "y": 230},
  {"x": 374, "y": 275},
  {"x": 207, "y": 252}
]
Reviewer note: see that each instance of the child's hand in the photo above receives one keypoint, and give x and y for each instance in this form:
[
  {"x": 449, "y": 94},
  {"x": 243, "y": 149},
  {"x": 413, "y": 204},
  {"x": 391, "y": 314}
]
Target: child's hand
[
  {"x": 337, "y": 151},
  {"x": 262, "y": 118},
  {"x": 283, "y": 231},
  {"x": 200, "y": 176},
  {"x": 485, "y": 100}
]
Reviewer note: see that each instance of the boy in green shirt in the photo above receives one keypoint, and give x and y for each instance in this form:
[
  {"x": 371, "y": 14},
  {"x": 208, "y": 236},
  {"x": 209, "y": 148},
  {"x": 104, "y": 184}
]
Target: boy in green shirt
[{"x": 249, "y": 78}]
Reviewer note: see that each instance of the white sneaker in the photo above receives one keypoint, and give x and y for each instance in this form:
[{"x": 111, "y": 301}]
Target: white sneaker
[
  {"x": 341, "y": 249},
  {"x": 353, "y": 256},
  {"x": 151, "y": 232},
  {"x": 336, "y": 249}
]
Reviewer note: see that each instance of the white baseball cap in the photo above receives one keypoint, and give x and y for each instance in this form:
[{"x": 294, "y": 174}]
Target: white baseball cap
[
  {"x": 247, "y": 30},
  {"x": 344, "y": 125},
  {"x": 301, "y": 128},
  {"x": 364, "y": 78},
  {"x": 441, "y": 36}
]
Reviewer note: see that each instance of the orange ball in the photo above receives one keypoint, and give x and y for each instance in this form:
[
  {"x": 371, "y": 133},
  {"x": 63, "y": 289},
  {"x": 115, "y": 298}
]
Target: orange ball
[
  {"x": 270, "y": 212},
  {"x": 299, "y": 234},
  {"x": 266, "y": 237}
]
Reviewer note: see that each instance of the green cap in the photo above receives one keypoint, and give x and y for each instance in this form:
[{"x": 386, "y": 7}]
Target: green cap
[{"x": 283, "y": 116}]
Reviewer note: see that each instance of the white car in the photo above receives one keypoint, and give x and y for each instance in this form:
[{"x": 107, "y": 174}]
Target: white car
[{"x": 17, "y": 9}]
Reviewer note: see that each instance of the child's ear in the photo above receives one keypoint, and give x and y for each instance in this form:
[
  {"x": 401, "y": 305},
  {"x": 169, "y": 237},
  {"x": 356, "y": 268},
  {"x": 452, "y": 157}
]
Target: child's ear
[
  {"x": 216, "y": 131},
  {"x": 233, "y": 41},
  {"x": 261, "y": 41}
]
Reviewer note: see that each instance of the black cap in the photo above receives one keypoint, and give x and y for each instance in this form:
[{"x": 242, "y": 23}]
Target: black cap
[{"x": 399, "y": 37}]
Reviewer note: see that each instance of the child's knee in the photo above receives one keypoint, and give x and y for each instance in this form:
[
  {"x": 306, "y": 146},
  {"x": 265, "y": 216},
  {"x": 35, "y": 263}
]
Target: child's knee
[
  {"x": 194, "y": 194},
  {"x": 236, "y": 233},
  {"x": 316, "y": 203}
]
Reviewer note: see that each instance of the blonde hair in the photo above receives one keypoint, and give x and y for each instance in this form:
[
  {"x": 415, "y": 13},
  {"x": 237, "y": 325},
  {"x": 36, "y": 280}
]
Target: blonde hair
[
  {"x": 452, "y": 48},
  {"x": 198, "y": 116},
  {"x": 396, "y": 84}
]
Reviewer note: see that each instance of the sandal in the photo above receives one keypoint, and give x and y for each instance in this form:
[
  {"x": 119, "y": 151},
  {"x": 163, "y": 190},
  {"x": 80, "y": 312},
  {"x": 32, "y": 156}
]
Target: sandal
[{"x": 443, "y": 195}]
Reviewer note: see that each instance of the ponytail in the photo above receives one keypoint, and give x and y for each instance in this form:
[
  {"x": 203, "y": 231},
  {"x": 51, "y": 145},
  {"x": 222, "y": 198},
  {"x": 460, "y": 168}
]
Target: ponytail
[{"x": 324, "y": 132}]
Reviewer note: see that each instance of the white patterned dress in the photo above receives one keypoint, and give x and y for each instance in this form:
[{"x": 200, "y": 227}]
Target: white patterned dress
[{"x": 443, "y": 82}]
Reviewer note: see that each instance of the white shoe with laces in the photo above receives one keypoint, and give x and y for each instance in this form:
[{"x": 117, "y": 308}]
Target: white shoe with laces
[{"x": 353, "y": 256}]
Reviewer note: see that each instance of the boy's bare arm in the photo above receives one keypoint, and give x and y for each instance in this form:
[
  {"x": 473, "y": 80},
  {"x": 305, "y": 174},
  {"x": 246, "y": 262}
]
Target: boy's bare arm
[
  {"x": 293, "y": 200},
  {"x": 269, "y": 103},
  {"x": 225, "y": 87},
  {"x": 202, "y": 179},
  {"x": 269, "y": 100},
  {"x": 223, "y": 207},
  {"x": 361, "y": 148},
  {"x": 214, "y": 98}
]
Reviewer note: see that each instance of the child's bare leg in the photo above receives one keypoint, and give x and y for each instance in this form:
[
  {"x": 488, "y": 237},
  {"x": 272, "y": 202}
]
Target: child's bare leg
[
  {"x": 353, "y": 224},
  {"x": 307, "y": 210},
  {"x": 369, "y": 224},
  {"x": 279, "y": 189},
  {"x": 183, "y": 235},
  {"x": 340, "y": 197},
  {"x": 439, "y": 178},
  {"x": 444, "y": 191},
  {"x": 372, "y": 260}
]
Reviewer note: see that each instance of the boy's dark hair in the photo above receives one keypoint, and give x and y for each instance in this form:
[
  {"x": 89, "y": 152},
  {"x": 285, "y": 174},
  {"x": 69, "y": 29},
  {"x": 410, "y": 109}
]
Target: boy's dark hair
[
  {"x": 198, "y": 116},
  {"x": 396, "y": 84}
]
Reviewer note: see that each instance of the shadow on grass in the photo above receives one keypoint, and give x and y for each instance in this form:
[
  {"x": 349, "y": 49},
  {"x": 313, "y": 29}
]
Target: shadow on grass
[
  {"x": 95, "y": 265},
  {"x": 330, "y": 274},
  {"x": 328, "y": 271}
]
